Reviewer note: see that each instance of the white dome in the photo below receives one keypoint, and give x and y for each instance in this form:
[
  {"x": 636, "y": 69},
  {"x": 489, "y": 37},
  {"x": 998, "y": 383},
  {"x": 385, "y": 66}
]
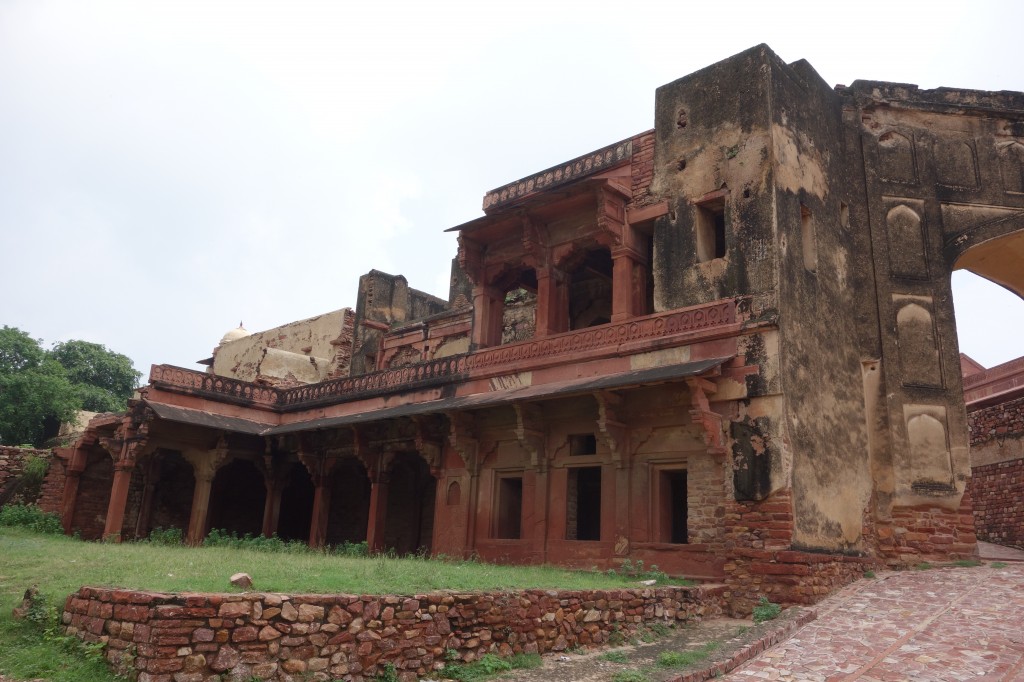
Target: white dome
[{"x": 239, "y": 332}]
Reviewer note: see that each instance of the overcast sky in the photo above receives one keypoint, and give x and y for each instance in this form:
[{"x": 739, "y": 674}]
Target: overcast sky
[{"x": 170, "y": 169}]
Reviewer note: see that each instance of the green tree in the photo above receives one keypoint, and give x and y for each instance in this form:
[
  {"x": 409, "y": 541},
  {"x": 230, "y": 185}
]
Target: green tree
[
  {"x": 39, "y": 386},
  {"x": 105, "y": 380}
]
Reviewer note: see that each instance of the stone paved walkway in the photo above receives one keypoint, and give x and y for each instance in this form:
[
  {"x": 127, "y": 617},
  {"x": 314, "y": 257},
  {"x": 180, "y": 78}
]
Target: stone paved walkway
[{"x": 936, "y": 625}]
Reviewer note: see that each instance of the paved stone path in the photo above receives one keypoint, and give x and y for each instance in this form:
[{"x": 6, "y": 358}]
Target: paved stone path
[{"x": 936, "y": 625}]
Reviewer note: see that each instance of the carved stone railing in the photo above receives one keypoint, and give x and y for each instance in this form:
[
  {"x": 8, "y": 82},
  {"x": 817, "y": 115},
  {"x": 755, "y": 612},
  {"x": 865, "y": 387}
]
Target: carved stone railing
[
  {"x": 607, "y": 336},
  {"x": 594, "y": 341},
  {"x": 211, "y": 384}
]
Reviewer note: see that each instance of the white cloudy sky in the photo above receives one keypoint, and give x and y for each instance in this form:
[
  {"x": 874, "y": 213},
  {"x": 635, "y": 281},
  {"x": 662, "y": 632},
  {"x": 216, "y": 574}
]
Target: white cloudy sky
[{"x": 168, "y": 169}]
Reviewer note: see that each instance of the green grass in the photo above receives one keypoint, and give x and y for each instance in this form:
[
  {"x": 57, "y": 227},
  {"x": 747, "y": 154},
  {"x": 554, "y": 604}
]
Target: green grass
[
  {"x": 615, "y": 657},
  {"x": 679, "y": 659},
  {"x": 966, "y": 563},
  {"x": 60, "y": 565},
  {"x": 490, "y": 665},
  {"x": 765, "y": 610},
  {"x": 997, "y": 564}
]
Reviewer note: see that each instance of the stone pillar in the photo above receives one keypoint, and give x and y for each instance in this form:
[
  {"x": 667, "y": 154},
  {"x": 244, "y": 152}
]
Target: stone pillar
[
  {"x": 118, "y": 499},
  {"x": 152, "y": 477},
  {"x": 378, "y": 512},
  {"x": 272, "y": 506},
  {"x": 624, "y": 298},
  {"x": 488, "y": 306},
  {"x": 204, "y": 467},
  {"x": 321, "y": 511},
  {"x": 552, "y": 302}
]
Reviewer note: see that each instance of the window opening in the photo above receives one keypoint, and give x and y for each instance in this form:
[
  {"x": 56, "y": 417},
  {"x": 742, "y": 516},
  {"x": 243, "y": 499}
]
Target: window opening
[
  {"x": 711, "y": 230},
  {"x": 519, "y": 309},
  {"x": 582, "y": 444},
  {"x": 590, "y": 292},
  {"x": 583, "y": 504}
]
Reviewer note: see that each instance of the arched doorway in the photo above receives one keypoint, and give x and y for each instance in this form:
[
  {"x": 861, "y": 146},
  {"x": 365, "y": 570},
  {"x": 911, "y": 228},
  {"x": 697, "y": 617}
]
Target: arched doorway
[
  {"x": 409, "y": 523},
  {"x": 296, "y": 505},
  {"x": 172, "y": 503},
  {"x": 350, "y": 503},
  {"x": 237, "y": 498}
]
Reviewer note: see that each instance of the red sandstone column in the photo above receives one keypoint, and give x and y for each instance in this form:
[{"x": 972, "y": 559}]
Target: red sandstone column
[
  {"x": 552, "y": 302},
  {"x": 118, "y": 500},
  {"x": 378, "y": 511},
  {"x": 488, "y": 304},
  {"x": 200, "y": 504},
  {"x": 623, "y": 294},
  {"x": 152, "y": 477},
  {"x": 272, "y": 507},
  {"x": 321, "y": 507}
]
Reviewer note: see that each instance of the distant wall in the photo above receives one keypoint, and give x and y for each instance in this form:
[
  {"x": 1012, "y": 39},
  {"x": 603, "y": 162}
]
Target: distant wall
[
  {"x": 167, "y": 637},
  {"x": 997, "y": 471},
  {"x": 12, "y": 465}
]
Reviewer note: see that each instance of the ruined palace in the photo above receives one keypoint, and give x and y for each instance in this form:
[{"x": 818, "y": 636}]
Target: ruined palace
[{"x": 724, "y": 346}]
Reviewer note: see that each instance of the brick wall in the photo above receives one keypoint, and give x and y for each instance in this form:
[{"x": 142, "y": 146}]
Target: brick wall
[
  {"x": 12, "y": 464},
  {"x": 1005, "y": 420},
  {"x": 998, "y": 490},
  {"x": 187, "y": 638},
  {"x": 642, "y": 168},
  {"x": 997, "y": 477}
]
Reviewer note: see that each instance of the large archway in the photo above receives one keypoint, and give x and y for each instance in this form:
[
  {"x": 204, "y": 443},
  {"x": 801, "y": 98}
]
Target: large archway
[
  {"x": 409, "y": 523},
  {"x": 237, "y": 498}
]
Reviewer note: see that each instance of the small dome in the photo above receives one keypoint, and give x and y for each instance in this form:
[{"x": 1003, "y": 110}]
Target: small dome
[{"x": 234, "y": 334}]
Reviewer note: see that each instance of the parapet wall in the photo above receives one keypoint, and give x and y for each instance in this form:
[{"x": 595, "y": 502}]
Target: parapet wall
[{"x": 188, "y": 637}]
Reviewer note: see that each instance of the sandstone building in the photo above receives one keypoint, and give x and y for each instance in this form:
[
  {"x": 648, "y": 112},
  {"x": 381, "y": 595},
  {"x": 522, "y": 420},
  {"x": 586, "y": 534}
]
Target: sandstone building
[{"x": 724, "y": 346}]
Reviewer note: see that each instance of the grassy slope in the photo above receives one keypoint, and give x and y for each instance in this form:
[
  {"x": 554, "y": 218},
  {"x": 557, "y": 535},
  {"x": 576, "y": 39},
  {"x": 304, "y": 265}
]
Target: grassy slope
[{"x": 60, "y": 565}]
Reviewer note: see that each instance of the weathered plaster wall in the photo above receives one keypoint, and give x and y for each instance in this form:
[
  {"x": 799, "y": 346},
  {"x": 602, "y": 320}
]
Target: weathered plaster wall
[
  {"x": 165, "y": 637},
  {"x": 298, "y": 352},
  {"x": 823, "y": 262}
]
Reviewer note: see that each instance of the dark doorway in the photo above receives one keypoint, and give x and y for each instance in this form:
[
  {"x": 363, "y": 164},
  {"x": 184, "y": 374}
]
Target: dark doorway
[
  {"x": 296, "y": 505},
  {"x": 350, "y": 503},
  {"x": 409, "y": 524},
  {"x": 172, "y": 503},
  {"x": 237, "y": 498},
  {"x": 90, "y": 517},
  {"x": 673, "y": 507},
  {"x": 583, "y": 504}
]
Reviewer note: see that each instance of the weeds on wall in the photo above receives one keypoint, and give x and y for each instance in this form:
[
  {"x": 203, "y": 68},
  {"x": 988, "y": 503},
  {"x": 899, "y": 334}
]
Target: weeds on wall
[{"x": 765, "y": 610}]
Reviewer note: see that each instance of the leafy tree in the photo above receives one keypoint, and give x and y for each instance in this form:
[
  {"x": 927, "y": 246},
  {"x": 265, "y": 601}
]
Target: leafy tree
[
  {"x": 37, "y": 385},
  {"x": 104, "y": 379}
]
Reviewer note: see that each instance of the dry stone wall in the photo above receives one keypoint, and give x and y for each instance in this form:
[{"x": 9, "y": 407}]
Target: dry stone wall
[
  {"x": 193, "y": 637},
  {"x": 12, "y": 465}
]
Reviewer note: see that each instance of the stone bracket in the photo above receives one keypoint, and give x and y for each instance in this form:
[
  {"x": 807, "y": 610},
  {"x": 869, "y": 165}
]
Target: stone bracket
[
  {"x": 710, "y": 422},
  {"x": 531, "y": 434},
  {"x": 613, "y": 430}
]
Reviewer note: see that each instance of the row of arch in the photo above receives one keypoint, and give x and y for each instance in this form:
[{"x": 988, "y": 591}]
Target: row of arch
[{"x": 161, "y": 495}]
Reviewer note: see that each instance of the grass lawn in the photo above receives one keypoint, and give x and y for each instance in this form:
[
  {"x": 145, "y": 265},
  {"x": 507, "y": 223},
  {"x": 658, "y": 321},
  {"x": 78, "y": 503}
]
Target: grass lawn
[{"x": 59, "y": 565}]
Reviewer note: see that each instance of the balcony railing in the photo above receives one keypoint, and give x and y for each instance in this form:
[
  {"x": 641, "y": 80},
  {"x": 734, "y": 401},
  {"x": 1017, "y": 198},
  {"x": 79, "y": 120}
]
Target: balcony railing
[{"x": 608, "y": 339}]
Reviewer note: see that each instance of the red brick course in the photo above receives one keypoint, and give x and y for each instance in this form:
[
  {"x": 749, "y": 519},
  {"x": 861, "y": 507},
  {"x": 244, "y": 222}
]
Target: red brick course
[
  {"x": 187, "y": 637},
  {"x": 998, "y": 487}
]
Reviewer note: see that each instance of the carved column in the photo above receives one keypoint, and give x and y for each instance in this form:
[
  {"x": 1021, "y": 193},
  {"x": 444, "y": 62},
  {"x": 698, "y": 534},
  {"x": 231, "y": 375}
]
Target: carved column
[
  {"x": 552, "y": 301},
  {"x": 319, "y": 468},
  {"x": 462, "y": 436},
  {"x": 205, "y": 466},
  {"x": 274, "y": 481},
  {"x": 629, "y": 284},
  {"x": 488, "y": 307},
  {"x": 531, "y": 432},
  {"x": 379, "y": 480},
  {"x": 124, "y": 450},
  {"x": 615, "y": 475}
]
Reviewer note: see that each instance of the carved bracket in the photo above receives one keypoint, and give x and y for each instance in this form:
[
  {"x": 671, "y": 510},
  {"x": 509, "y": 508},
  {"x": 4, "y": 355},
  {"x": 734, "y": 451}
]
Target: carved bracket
[
  {"x": 702, "y": 415},
  {"x": 531, "y": 434},
  {"x": 612, "y": 429},
  {"x": 429, "y": 445},
  {"x": 205, "y": 463},
  {"x": 462, "y": 436}
]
